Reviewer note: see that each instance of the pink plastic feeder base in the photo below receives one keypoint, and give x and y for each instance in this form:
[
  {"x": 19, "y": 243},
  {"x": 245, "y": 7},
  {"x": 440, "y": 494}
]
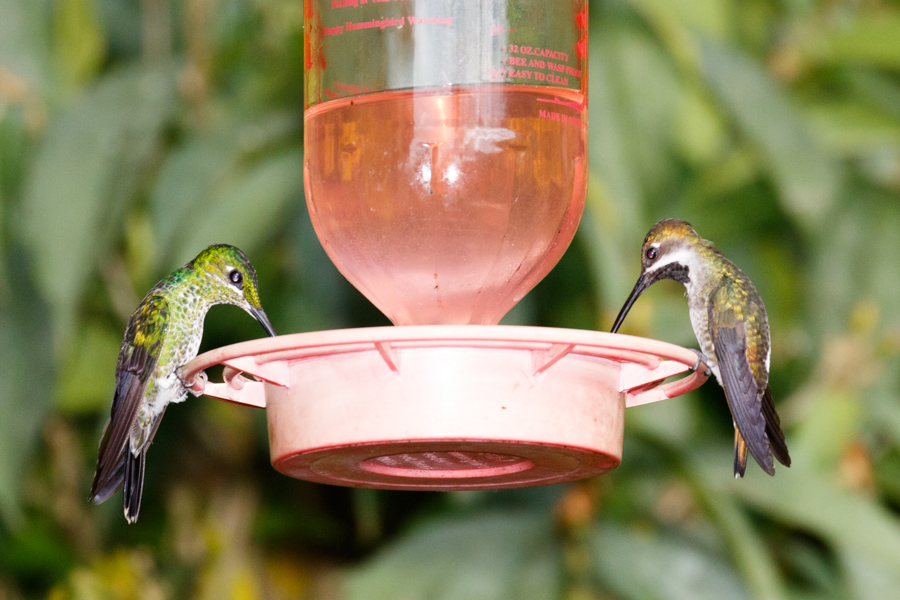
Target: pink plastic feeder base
[{"x": 447, "y": 407}]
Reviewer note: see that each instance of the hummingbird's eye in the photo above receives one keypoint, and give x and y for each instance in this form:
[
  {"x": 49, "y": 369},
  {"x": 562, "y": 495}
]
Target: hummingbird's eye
[
  {"x": 651, "y": 253},
  {"x": 236, "y": 277}
]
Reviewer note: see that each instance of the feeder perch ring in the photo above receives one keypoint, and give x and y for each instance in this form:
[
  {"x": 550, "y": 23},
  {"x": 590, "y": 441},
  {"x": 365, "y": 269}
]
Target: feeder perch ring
[{"x": 447, "y": 407}]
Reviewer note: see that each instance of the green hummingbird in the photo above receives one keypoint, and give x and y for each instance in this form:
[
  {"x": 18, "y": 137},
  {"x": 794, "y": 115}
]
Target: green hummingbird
[
  {"x": 162, "y": 335},
  {"x": 730, "y": 322}
]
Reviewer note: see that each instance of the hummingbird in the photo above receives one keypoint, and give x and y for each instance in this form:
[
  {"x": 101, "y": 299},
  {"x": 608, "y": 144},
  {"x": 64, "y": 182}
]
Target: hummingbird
[
  {"x": 162, "y": 335},
  {"x": 732, "y": 328}
]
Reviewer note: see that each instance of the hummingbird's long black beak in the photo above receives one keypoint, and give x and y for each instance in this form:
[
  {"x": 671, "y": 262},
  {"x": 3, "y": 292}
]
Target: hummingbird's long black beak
[
  {"x": 260, "y": 316},
  {"x": 642, "y": 284}
]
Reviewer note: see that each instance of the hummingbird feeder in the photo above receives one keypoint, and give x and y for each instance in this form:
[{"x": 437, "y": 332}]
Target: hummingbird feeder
[{"x": 445, "y": 176}]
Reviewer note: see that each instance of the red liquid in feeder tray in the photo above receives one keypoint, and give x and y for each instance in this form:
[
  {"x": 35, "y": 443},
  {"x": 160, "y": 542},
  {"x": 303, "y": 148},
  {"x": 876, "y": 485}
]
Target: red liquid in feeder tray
[{"x": 447, "y": 205}]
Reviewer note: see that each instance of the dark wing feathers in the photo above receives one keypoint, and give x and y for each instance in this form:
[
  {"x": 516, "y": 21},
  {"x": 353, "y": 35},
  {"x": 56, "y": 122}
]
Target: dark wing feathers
[
  {"x": 742, "y": 392},
  {"x": 126, "y": 402},
  {"x": 137, "y": 361},
  {"x": 103, "y": 489}
]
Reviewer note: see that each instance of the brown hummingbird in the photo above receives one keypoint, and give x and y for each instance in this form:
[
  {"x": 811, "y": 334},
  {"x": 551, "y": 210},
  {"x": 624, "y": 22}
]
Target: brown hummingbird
[{"x": 730, "y": 322}]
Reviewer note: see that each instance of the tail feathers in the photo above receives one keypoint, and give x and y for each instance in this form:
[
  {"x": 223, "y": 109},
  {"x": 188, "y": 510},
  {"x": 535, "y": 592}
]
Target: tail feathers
[
  {"x": 740, "y": 454},
  {"x": 773, "y": 429},
  {"x": 123, "y": 470},
  {"x": 128, "y": 474},
  {"x": 133, "y": 484},
  {"x": 777, "y": 444}
]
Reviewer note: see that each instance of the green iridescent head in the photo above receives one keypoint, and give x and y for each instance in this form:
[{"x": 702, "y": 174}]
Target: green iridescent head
[
  {"x": 670, "y": 229},
  {"x": 671, "y": 250},
  {"x": 233, "y": 280}
]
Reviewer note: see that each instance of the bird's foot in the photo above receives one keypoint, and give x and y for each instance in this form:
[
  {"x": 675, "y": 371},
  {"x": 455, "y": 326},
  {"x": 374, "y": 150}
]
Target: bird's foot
[
  {"x": 701, "y": 360},
  {"x": 198, "y": 384}
]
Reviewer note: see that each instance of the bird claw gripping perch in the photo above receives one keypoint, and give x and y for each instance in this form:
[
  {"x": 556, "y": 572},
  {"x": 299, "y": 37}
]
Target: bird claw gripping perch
[
  {"x": 701, "y": 359},
  {"x": 196, "y": 385}
]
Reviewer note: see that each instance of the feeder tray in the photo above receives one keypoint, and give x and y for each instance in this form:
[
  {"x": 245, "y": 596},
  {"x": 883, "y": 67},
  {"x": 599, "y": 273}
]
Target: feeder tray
[{"x": 446, "y": 407}]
